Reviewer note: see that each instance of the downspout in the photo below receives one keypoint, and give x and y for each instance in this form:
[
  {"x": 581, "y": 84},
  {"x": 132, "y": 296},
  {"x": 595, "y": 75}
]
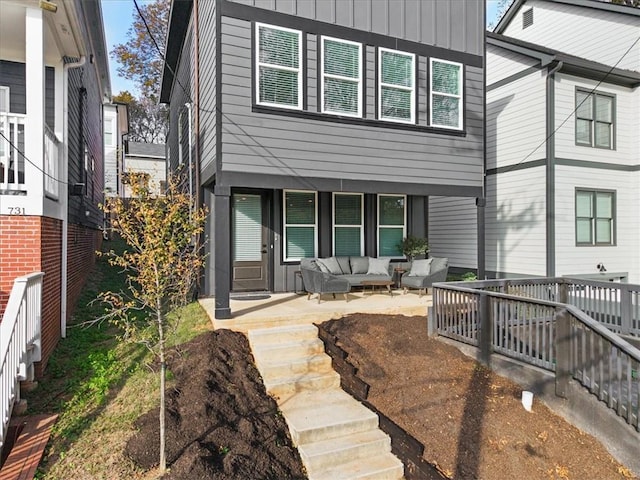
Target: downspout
[
  {"x": 65, "y": 190},
  {"x": 550, "y": 172},
  {"x": 189, "y": 123}
]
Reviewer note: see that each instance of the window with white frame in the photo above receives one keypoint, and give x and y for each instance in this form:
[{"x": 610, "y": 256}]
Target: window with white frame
[
  {"x": 594, "y": 119},
  {"x": 446, "y": 94},
  {"x": 278, "y": 66},
  {"x": 595, "y": 217},
  {"x": 396, "y": 86},
  {"x": 348, "y": 224},
  {"x": 391, "y": 224},
  {"x": 108, "y": 132},
  {"x": 300, "y": 225},
  {"x": 341, "y": 70}
]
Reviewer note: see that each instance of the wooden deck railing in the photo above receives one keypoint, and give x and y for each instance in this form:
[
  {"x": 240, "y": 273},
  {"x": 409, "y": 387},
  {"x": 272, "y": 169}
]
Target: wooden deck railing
[
  {"x": 51, "y": 163},
  {"x": 532, "y": 323},
  {"x": 12, "y": 177},
  {"x": 20, "y": 342}
]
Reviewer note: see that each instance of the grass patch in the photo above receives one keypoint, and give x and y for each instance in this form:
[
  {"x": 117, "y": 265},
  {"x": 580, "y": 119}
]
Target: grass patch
[{"x": 99, "y": 385}]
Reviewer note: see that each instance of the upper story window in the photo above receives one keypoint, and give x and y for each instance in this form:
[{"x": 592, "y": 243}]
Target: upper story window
[
  {"x": 348, "y": 224},
  {"x": 392, "y": 224},
  {"x": 595, "y": 217},
  {"x": 300, "y": 225},
  {"x": 595, "y": 119},
  {"x": 446, "y": 94},
  {"x": 279, "y": 66},
  {"x": 341, "y": 62},
  {"x": 396, "y": 87},
  {"x": 108, "y": 132}
]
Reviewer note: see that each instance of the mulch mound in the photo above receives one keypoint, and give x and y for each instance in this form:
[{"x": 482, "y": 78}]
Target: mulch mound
[
  {"x": 469, "y": 419},
  {"x": 220, "y": 422}
]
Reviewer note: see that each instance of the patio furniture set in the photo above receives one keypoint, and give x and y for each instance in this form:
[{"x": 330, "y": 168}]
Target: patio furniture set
[{"x": 339, "y": 274}]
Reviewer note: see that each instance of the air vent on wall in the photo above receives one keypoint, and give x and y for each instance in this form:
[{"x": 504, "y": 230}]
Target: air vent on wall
[{"x": 527, "y": 18}]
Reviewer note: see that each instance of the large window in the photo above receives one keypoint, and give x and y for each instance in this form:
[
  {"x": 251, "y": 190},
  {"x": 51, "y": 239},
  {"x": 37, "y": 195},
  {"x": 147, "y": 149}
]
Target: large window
[
  {"x": 348, "y": 224},
  {"x": 396, "y": 87},
  {"x": 595, "y": 217},
  {"x": 300, "y": 225},
  {"x": 391, "y": 224},
  {"x": 279, "y": 66},
  {"x": 446, "y": 94},
  {"x": 341, "y": 62},
  {"x": 595, "y": 122}
]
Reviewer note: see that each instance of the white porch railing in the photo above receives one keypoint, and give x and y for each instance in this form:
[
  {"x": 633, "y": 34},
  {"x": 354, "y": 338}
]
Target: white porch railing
[
  {"x": 20, "y": 342},
  {"x": 51, "y": 163},
  {"x": 12, "y": 176}
]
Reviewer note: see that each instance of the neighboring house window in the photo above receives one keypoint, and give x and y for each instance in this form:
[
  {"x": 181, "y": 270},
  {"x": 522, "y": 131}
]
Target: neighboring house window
[
  {"x": 341, "y": 63},
  {"x": 595, "y": 217},
  {"x": 108, "y": 132},
  {"x": 348, "y": 224},
  {"x": 527, "y": 18},
  {"x": 396, "y": 87},
  {"x": 4, "y": 127},
  {"x": 595, "y": 123},
  {"x": 279, "y": 66},
  {"x": 300, "y": 225},
  {"x": 391, "y": 224},
  {"x": 446, "y": 94}
]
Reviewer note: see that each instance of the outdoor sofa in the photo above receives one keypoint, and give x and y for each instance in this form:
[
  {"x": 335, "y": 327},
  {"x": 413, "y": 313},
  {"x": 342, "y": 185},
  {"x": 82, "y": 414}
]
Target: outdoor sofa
[
  {"x": 338, "y": 274},
  {"x": 424, "y": 273}
]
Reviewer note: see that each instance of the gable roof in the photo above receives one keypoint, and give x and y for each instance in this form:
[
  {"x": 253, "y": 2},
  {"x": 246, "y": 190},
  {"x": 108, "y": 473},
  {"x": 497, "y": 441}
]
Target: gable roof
[
  {"x": 595, "y": 4},
  {"x": 570, "y": 63},
  {"x": 178, "y": 24}
]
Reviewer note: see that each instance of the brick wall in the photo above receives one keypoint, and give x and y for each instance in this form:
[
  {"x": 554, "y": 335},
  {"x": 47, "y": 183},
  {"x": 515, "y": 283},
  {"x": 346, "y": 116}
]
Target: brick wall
[
  {"x": 51, "y": 265},
  {"x": 82, "y": 243}
]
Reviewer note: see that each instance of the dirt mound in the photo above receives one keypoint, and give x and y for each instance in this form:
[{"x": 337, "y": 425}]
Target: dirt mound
[
  {"x": 220, "y": 422},
  {"x": 470, "y": 419}
]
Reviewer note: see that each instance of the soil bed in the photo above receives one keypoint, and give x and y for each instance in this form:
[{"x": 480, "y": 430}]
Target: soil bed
[
  {"x": 220, "y": 422},
  {"x": 470, "y": 420}
]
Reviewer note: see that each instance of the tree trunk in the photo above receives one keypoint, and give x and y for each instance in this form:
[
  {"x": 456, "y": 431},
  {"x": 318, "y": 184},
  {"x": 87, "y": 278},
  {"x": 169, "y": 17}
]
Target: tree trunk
[{"x": 163, "y": 368}]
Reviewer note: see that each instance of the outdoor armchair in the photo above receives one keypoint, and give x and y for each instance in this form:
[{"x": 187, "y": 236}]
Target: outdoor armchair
[
  {"x": 316, "y": 281},
  {"x": 438, "y": 273}
]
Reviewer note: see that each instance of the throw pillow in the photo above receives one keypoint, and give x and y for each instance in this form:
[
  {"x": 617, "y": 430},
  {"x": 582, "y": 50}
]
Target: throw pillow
[
  {"x": 421, "y": 268},
  {"x": 378, "y": 266},
  {"x": 359, "y": 265},
  {"x": 331, "y": 264}
]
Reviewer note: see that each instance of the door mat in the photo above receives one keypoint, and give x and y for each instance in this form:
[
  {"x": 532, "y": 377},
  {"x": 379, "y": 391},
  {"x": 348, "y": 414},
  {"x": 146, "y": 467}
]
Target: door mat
[{"x": 250, "y": 296}]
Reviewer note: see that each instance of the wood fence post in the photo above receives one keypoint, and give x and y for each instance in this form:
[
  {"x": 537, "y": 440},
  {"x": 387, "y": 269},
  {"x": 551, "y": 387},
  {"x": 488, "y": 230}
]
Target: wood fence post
[
  {"x": 563, "y": 351},
  {"x": 563, "y": 291},
  {"x": 485, "y": 334},
  {"x": 625, "y": 311}
]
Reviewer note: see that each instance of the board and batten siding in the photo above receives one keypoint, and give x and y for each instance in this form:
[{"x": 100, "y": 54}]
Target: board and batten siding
[
  {"x": 207, "y": 89},
  {"x": 449, "y": 24},
  {"x": 589, "y": 33},
  {"x": 627, "y": 122},
  {"x": 622, "y": 257},
  {"x": 274, "y": 144},
  {"x": 453, "y": 230},
  {"x": 181, "y": 93},
  {"x": 515, "y": 121},
  {"x": 515, "y": 218}
]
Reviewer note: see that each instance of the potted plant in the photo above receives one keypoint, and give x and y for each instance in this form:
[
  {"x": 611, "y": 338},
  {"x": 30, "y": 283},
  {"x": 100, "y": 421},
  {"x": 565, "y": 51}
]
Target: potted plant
[{"x": 414, "y": 246}]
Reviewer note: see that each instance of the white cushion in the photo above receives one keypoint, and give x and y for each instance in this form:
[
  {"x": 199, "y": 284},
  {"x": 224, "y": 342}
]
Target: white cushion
[
  {"x": 378, "y": 266},
  {"x": 421, "y": 268}
]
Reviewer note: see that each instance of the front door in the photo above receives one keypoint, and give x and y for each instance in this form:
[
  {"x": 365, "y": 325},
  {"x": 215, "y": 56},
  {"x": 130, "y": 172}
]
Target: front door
[{"x": 249, "y": 242}]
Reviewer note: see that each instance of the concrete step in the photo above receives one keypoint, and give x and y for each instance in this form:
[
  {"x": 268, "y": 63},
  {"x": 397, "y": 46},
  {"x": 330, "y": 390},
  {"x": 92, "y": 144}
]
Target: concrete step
[
  {"x": 285, "y": 334},
  {"x": 380, "y": 467},
  {"x": 287, "y": 350},
  {"x": 284, "y": 387},
  {"x": 318, "y": 456},
  {"x": 314, "y": 416},
  {"x": 272, "y": 369}
]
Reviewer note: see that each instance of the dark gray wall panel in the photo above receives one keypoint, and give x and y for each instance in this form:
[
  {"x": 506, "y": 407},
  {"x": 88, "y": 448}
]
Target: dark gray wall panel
[
  {"x": 12, "y": 75},
  {"x": 208, "y": 90},
  {"x": 453, "y": 24}
]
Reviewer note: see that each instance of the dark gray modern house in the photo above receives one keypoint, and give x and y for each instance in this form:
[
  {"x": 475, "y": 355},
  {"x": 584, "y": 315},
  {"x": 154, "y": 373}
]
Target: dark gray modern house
[{"x": 313, "y": 128}]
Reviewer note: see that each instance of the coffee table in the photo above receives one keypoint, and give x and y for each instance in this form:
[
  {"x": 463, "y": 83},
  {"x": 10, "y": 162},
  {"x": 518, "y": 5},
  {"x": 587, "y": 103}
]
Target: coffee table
[{"x": 377, "y": 283}]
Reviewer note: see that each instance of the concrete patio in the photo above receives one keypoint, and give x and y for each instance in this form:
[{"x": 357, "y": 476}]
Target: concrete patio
[{"x": 282, "y": 309}]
